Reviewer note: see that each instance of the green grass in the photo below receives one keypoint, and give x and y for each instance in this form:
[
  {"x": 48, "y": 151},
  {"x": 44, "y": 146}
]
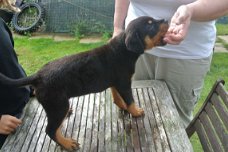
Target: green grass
[
  {"x": 33, "y": 53},
  {"x": 222, "y": 29}
]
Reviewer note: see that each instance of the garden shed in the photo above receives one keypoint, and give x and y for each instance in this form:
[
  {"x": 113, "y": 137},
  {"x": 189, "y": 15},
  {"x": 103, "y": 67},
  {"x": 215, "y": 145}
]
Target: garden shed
[{"x": 72, "y": 15}]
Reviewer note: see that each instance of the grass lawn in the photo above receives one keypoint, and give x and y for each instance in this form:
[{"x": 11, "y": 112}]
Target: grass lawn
[
  {"x": 222, "y": 29},
  {"x": 34, "y": 53}
]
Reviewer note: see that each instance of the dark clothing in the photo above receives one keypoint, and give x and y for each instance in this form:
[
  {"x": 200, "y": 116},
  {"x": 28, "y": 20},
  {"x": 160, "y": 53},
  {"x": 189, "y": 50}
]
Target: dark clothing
[{"x": 12, "y": 100}]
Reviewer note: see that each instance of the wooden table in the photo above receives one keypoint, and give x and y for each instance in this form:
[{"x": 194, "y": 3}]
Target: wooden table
[{"x": 98, "y": 125}]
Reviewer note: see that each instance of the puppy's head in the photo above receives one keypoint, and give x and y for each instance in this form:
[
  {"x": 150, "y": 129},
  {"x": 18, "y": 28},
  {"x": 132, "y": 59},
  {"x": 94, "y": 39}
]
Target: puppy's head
[{"x": 145, "y": 33}]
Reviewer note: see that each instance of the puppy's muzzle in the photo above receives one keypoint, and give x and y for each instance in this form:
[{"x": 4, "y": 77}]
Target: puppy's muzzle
[{"x": 163, "y": 28}]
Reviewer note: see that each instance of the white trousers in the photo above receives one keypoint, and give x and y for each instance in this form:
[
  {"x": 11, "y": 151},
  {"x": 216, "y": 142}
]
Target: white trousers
[{"x": 184, "y": 78}]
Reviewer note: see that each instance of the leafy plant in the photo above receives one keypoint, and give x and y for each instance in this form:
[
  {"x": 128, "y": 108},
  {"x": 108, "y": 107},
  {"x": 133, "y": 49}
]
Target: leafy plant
[{"x": 84, "y": 28}]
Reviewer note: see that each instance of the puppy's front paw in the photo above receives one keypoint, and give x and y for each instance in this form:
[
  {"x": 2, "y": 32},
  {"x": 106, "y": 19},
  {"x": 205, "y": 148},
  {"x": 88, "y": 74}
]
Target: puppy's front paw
[
  {"x": 135, "y": 111},
  {"x": 70, "y": 144}
]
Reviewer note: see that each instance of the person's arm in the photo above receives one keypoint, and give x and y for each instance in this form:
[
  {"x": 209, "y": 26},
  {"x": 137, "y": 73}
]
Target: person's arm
[
  {"x": 10, "y": 5},
  {"x": 200, "y": 10},
  {"x": 121, "y": 8},
  {"x": 8, "y": 124},
  {"x": 206, "y": 10}
]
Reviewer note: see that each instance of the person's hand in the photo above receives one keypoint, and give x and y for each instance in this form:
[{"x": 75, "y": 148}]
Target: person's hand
[
  {"x": 8, "y": 124},
  {"x": 10, "y": 5},
  {"x": 2, "y": 2},
  {"x": 179, "y": 25}
]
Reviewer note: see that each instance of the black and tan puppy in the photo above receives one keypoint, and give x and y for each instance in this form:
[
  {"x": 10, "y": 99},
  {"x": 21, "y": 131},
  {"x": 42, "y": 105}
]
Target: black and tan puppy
[{"x": 111, "y": 65}]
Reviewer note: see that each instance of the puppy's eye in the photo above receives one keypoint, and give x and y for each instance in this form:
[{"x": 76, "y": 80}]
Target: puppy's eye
[{"x": 150, "y": 22}]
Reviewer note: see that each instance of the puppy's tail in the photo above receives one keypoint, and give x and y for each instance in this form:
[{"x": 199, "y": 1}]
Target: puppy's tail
[{"x": 4, "y": 80}]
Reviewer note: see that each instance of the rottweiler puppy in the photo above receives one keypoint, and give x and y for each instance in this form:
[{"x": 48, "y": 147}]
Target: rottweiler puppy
[{"x": 109, "y": 66}]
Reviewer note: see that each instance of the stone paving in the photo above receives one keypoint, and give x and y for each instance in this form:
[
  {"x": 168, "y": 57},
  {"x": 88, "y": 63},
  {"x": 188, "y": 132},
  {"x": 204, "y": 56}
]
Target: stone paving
[
  {"x": 66, "y": 37},
  {"x": 219, "y": 46}
]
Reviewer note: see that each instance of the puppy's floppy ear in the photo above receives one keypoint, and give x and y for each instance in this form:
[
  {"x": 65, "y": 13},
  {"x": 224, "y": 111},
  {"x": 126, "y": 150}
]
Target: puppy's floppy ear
[{"x": 133, "y": 42}]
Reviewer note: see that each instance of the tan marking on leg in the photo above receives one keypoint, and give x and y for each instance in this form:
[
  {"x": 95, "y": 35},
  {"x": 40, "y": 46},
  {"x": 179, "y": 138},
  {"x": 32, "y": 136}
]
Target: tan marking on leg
[
  {"x": 67, "y": 143},
  {"x": 118, "y": 100},
  {"x": 135, "y": 111}
]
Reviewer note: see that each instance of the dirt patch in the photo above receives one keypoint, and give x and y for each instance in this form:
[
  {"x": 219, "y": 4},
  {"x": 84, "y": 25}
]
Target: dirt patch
[
  {"x": 91, "y": 40},
  {"x": 63, "y": 37}
]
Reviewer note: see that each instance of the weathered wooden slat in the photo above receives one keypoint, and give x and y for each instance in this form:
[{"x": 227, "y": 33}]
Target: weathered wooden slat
[
  {"x": 34, "y": 132},
  {"x": 149, "y": 120},
  {"x": 83, "y": 123},
  {"x": 156, "y": 125},
  {"x": 71, "y": 118},
  {"x": 202, "y": 136},
  {"x": 221, "y": 110},
  {"x": 101, "y": 129},
  {"x": 170, "y": 117},
  {"x": 85, "y": 129},
  {"x": 40, "y": 146},
  {"x": 222, "y": 92},
  {"x": 19, "y": 142},
  {"x": 46, "y": 141},
  {"x": 218, "y": 126},
  {"x": 114, "y": 125},
  {"x": 210, "y": 132},
  {"x": 127, "y": 120},
  {"x": 160, "y": 125},
  {"x": 78, "y": 117},
  {"x": 135, "y": 130},
  {"x": 52, "y": 146},
  {"x": 95, "y": 126},
  {"x": 143, "y": 84},
  {"x": 143, "y": 136},
  {"x": 89, "y": 120},
  {"x": 108, "y": 129},
  {"x": 121, "y": 132}
]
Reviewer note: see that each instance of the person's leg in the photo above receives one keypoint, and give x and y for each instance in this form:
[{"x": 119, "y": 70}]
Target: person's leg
[
  {"x": 184, "y": 79},
  {"x": 144, "y": 69}
]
